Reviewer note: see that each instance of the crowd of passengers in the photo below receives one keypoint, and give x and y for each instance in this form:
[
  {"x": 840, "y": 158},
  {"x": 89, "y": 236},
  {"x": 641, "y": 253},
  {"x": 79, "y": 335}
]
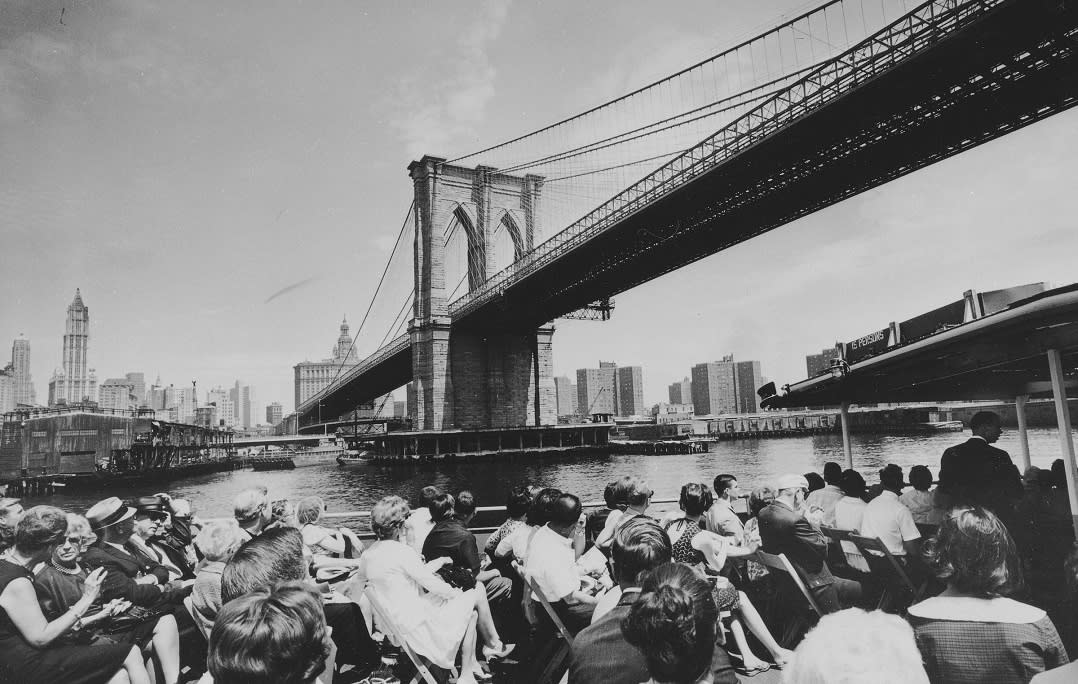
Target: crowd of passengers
[{"x": 147, "y": 593}]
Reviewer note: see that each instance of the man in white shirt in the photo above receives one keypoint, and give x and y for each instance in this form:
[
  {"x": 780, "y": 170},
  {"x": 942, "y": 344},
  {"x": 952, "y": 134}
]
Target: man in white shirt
[
  {"x": 551, "y": 564},
  {"x": 888, "y": 519},
  {"x": 419, "y": 523},
  {"x": 720, "y": 518},
  {"x": 825, "y": 499}
]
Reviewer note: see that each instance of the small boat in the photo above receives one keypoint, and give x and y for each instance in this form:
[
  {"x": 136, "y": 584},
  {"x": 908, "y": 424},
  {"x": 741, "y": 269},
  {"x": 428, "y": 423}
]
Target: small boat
[
  {"x": 272, "y": 463},
  {"x": 354, "y": 458}
]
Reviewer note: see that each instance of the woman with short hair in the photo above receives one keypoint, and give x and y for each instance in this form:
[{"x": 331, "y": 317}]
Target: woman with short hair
[
  {"x": 217, "y": 542},
  {"x": 435, "y": 618},
  {"x": 673, "y": 623},
  {"x": 270, "y": 635},
  {"x": 972, "y": 632},
  {"x": 323, "y": 542},
  {"x": 29, "y": 651},
  {"x": 632, "y": 496}
]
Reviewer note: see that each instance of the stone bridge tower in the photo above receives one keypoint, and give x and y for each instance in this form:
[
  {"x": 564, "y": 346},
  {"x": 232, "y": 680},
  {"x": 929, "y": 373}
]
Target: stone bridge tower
[{"x": 486, "y": 376}]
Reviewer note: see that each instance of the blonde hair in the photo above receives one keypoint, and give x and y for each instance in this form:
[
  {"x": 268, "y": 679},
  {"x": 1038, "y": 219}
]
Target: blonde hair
[
  {"x": 78, "y": 524},
  {"x": 219, "y": 540},
  {"x": 309, "y": 510},
  {"x": 388, "y": 516}
]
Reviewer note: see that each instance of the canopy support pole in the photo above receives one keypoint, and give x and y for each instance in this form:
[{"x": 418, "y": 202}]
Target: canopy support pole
[
  {"x": 847, "y": 448},
  {"x": 1066, "y": 439},
  {"x": 1023, "y": 435}
]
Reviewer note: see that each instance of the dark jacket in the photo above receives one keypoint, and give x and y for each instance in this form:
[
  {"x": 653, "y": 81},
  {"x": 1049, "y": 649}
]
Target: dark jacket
[
  {"x": 978, "y": 473},
  {"x": 450, "y": 538},
  {"x": 123, "y": 568},
  {"x": 601, "y": 655},
  {"x": 784, "y": 530}
]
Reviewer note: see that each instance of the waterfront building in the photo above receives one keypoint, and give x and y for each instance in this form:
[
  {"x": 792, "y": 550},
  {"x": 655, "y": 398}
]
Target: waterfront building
[
  {"x": 7, "y": 389},
  {"x": 76, "y": 381},
  {"x": 680, "y": 392},
  {"x": 672, "y": 413},
  {"x": 184, "y": 402},
  {"x": 747, "y": 379},
  {"x": 225, "y": 410},
  {"x": 138, "y": 387},
  {"x": 726, "y": 386},
  {"x": 23, "y": 384},
  {"x": 241, "y": 404},
  {"x": 116, "y": 394},
  {"x": 311, "y": 377},
  {"x": 596, "y": 390},
  {"x": 566, "y": 394},
  {"x": 630, "y": 391},
  {"x": 206, "y": 417},
  {"x": 274, "y": 412},
  {"x": 818, "y": 364}
]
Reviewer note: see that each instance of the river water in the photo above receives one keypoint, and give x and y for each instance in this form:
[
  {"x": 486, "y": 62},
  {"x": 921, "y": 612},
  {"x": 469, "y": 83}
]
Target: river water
[{"x": 754, "y": 462}]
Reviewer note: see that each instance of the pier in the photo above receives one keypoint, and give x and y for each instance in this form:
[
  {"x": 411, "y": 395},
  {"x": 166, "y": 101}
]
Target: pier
[{"x": 402, "y": 447}]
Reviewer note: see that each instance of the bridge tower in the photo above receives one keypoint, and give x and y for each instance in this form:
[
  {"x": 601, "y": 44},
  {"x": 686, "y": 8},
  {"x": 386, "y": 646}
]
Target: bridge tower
[{"x": 478, "y": 377}]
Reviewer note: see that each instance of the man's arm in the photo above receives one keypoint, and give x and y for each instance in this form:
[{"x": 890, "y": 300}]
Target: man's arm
[{"x": 811, "y": 536}]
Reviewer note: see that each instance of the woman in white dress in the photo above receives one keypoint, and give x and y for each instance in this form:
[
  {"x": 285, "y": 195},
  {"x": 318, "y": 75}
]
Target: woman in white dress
[{"x": 433, "y": 617}]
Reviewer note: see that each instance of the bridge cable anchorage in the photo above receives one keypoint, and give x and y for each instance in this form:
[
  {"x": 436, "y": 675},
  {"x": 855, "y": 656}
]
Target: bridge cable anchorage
[{"x": 389, "y": 261}]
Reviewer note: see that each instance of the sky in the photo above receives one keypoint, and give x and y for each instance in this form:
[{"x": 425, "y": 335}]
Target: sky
[{"x": 225, "y": 181}]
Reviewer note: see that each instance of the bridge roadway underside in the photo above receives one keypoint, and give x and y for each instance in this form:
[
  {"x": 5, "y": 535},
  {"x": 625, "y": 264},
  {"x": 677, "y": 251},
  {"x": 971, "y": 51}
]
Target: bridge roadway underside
[
  {"x": 949, "y": 98},
  {"x": 1013, "y": 67}
]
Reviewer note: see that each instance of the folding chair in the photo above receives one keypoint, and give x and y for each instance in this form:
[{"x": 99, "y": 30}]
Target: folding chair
[
  {"x": 796, "y": 627},
  {"x": 890, "y": 572},
  {"x": 836, "y": 555},
  {"x": 389, "y": 627},
  {"x": 563, "y": 639}
]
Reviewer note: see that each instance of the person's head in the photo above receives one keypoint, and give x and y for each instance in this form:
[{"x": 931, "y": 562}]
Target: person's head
[
  {"x": 181, "y": 509},
  {"x": 427, "y": 496},
  {"x": 986, "y": 424},
  {"x": 564, "y": 514},
  {"x": 814, "y": 481},
  {"x": 252, "y": 510},
  {"x": 309, "y": 510},
  {"x": 273, "y": 634},
  {"x": 921, "y": 478},
  {"x": 516, "y": 506},
  {"x": 891, "y": 478},
  {"x": 274, "y": 556},
  {"x": 40, "y": 530},
  {"x": 610, "y": 495},
  {"x": 760, "y": 498},
  {"x": 443, "y": 507},
  {"x": 832, "y": 473},
  {"x": 283, "y": 512},
  {"x": 1030, "y": 478},
  {"x": 695, "y": 498},
  {"x": 726, "y": 487},
  {"x": 792, "y": 489},
  {"x": 673, "y": 624},
  {"x": 388, "y": 517},
  {"x": 10, "y": 512},
  {"x": 539, "y": 511},
  {"x": 111, "y": 520},
  {"x": 77, "y": 538},
  {"x": 973, "y": 552},
  {"x": 219, "y": 540},
  {"x": 150, "y": 515},
  {"x": 852, "y": 484},
  {"x": 630, "y": 490},
  {"x": 1059, "y": 474},
  {"x": 853, "y": 646},
  {"x": 640, "y": 545},
  {"x": 465, "y": 506}
]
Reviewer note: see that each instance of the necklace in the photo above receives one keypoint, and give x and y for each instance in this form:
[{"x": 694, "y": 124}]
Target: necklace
[{"x": 67, "y": 571}]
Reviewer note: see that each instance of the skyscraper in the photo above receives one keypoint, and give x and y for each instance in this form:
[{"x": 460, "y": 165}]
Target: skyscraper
[
  {"x": 566, "y": 392},
  {"x": 726, "y": 386},
  {"x": 22, "y": 383},
  {"x": 274, "y": 413},
  {"x": 681, "y": 392},
  {"x": 7, "y": 389},
  {"x": 748, "y": 379},
  {"x": 313, "y": 376},
  {"x": 596, "y": 390},
  {"x": 75, "y": 382},
  {"x": 116, "y": 393},
  {"x": 138, "y": 387},
  {"x": 818, "y": 364},
  {"x": 630, "y": 391}
]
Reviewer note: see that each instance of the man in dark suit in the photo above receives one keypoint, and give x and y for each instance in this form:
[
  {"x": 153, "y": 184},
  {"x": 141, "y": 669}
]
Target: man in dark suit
[
  {"x": 131, "y": 574},
  {"x": 784, "y": 529},
  {"x": 978, "y": 473},
  {"x": 600, "y": 653}
]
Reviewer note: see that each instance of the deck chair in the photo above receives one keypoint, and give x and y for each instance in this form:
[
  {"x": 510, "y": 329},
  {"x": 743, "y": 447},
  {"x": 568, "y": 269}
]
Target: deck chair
[
  {"x": 889, "y": 571},
  {"x": 795, "y": 628},
  {"x": 836, "y": 555},
  {"x": 1064, "y": 674},
  {"x": 388, "y": 626},
  {"x": 557, "y": 654}
]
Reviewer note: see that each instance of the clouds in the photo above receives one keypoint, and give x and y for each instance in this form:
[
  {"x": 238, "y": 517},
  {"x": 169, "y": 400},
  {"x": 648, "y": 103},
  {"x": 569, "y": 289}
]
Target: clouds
[{"x": 443, "y": 102}]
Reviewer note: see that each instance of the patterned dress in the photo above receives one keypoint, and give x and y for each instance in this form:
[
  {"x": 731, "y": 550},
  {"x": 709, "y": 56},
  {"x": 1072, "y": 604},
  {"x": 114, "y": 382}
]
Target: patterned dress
[{"x": 726, "y": 596}]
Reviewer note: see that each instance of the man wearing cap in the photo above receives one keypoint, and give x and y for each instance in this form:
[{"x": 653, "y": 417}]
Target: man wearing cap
[
  {"x": 252, "y": 510},
  {"x": 10, "y": 514},
  {"x": 131, "y": 575},
  {"x": 784, "y": 529},
  {"x": 888, "y": 519},
  {"x": 151, "y": 512}
]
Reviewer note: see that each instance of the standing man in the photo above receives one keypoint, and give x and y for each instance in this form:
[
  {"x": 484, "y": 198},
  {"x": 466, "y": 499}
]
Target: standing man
[
  {"x": 784, "y": 529},
  {"x": 978, "y": 473},
  {"x": 721, "y": 518}
]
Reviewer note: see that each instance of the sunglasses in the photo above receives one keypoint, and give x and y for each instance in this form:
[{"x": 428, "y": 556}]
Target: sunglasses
[{"x": 74, "y": 541}]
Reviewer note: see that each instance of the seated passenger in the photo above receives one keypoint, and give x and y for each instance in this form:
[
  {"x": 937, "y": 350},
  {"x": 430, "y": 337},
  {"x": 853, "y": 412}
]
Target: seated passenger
[
  {"x": 450, "y": 538},
  {"x": 972, "y": 632},
  {"x": 339, "y": 547},
  {"x": 829, "y": 495},
  {"x": 674, "y": 623},
  {"x": 921, "y": 499},
  {"x": 891, "y": 522},
  {"x": 854, "y": 647},
  {"x": 849, "y": 513},
  {"x": 218, "y": 542},
  {"x": 150, "y": 516},
  {"x": 633, "y": 496},
  {"x": 29, "y": 651},
  {"x": 516, "y": 545},
  {"x": 270, "y": 635},
  {"x": 516, "y": 509},
  {"x": 252, "y": 510},
  {"x": 10, "y": 512},
  {"x": 721, "y": 518},
  {"x": 420, "y": 524},
  {"x": 551, "y": 564}
]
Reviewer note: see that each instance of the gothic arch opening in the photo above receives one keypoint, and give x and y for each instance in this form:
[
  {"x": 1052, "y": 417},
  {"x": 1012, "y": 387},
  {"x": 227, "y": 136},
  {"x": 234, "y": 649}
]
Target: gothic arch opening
[
  {"x": 508, "y": 243},
  {"x": 464, "y": 267}
]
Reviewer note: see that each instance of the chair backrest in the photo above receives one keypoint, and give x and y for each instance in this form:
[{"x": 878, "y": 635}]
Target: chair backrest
[
  {"x": 782, "y": 564},
  {"x": 881, "y": 561},
  {"x": 1065, "y": 674},
  {"x": 534, "y": 586},
  {"x": 927, "y": 530},
  {"x": 835, "y": 534},
  {"x": 383, "y": 618},
  {"x": 189, "y": 604}
]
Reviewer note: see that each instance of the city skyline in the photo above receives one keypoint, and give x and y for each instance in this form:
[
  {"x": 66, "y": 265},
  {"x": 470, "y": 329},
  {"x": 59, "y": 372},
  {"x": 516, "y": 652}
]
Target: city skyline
[{"x": 302, "y": 205}]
